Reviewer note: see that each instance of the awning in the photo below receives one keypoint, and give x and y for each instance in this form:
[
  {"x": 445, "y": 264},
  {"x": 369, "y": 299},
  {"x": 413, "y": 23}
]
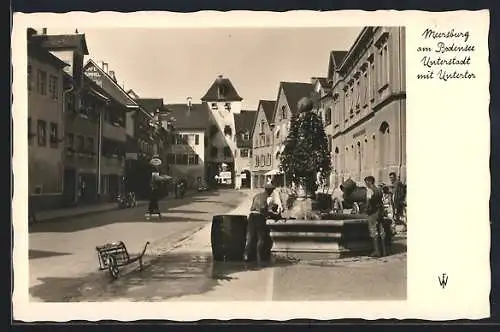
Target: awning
[
  {"x": 272, "y": 172},
  {"x": 98, "y": 94}
]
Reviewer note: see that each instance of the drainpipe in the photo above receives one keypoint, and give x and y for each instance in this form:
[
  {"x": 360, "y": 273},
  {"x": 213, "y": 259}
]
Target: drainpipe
[
  {"x": 401, "y": 49},
  {"x": 99, "y": 154},
  {"x": 65, "y": 92}
]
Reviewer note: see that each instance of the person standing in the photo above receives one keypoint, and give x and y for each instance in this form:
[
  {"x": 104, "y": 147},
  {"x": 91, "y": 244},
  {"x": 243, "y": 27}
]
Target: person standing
[
  {"x": 154, "y": 197},
  {"x": 374, "y": 209},
  {"x": 398, "y": 199},
  {"x": 257, "y": 228}
]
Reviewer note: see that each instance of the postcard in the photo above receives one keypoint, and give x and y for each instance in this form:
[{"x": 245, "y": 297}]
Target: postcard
[{"x": 251, "y": 165}]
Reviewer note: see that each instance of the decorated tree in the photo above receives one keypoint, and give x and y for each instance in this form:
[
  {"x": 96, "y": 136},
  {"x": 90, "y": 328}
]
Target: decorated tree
[{"x": 306, "y": 152}]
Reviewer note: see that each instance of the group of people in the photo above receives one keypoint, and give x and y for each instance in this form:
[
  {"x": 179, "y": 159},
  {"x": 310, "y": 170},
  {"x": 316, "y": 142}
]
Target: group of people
[{"x": 382, "y": 203}]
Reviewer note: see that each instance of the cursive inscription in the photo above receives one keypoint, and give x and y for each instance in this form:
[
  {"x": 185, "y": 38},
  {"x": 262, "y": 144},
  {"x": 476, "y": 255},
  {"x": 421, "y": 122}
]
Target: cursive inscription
[{"x": 447, "y": 57}]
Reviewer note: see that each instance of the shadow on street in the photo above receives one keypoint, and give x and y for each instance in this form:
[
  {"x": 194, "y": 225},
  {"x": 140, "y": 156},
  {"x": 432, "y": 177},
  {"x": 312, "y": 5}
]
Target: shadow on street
[
  {"x": 137, "y": 214},
  {"x": 167, "y": 276},
  {"x": 34, "y": 254}
]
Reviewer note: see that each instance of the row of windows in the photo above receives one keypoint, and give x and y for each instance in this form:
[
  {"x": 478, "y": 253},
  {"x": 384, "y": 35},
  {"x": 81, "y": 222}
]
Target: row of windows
[
  {"x": 263, "y": 160},
  {"x": 186, "y": 139},
  {"x": 227, "y": 106},
  {"x": 41, "y": 133},
  {"x": 262, "y": 140},
  {"x": 82, "y": 144},
  {"x": 370, "y": 78},
  {"x": 214, "y": 152},
  {"x": 41, "y": 83},
  {"x": 183, "y": 159}
]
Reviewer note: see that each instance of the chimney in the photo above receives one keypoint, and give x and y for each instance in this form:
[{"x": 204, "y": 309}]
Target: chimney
[
  {"x": 76, "y": 31},
  {"x": 44, "y": 31},
  {"x": 189, "y": 104},
  {"x": 112, "y": 74},
  {"x": 104, "y": 66}
]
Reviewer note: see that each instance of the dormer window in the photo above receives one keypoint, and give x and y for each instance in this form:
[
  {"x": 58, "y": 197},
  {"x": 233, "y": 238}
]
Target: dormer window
[
  {"x": 214, "y": 106},
  {"x": 245, "y": 136},
  {"x": 227, "y": 106}
]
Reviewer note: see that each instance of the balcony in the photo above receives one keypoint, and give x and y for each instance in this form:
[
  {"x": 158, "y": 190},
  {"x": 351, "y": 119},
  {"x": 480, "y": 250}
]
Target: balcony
[{"x": 114, "y": 132}]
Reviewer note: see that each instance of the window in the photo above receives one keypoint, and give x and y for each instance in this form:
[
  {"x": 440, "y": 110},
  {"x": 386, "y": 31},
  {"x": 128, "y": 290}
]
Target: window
[
  {"x": 53, "y": 134},
  {"x": 30, "y": 78},
  {"x": 42, "y": 133},
  {"x": 268, "y": 140},
  {"x": 227, "y": 152},
  {"x": 70, "y": 103},
  {"x": 364, "y": 88},
  {"x": 181, "y": 159},
  {"x": 42, "y": 82},
  {"x": 185, "y": 139},
  {"x": 245, "y": 136},
  {"x": 283, "y": 112},
  {"x": 70, "y": 141},
  {"x": 227, "y": 106},
  {"x": 228, "y": 131},
  {"x": 214, "y": 152},
  {"x": 244, "y": 153},
  {"x": 90, "y": 145},
  {"x": 196, "y": 139},
  {"x": 193, "y": 159},
  {"x": 328, "y": 116},
  {"x": 357, "y": 100},
  {"x": 372, "y": 78},
  {"x": 262, "y": 126},
  {"x": 80, "y": 143},
  {"x": 262, "y": 160},
  {"x": 330, "y": 141},
  {"x": 268, "y": 159},
  {"x": 256, "y": 160},
  {"x": 30, "y": 133},
  {"x": 53, "y": 88},
  {"x": 214, "y": 106}
]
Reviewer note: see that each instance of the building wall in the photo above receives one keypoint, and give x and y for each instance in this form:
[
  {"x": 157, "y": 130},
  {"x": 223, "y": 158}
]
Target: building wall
[
  {"x": 281, "y": 126},
  {"x": 242, "y": 164},
  {"x": 191, "y": 172},
  {"x": 262, "y": 146},
  {"x": 45, "y": 160},
  {"x": 369, "y": 112}
]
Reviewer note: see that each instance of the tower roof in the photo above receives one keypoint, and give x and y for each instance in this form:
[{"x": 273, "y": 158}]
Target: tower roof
[{"x": 221, "y": 90}]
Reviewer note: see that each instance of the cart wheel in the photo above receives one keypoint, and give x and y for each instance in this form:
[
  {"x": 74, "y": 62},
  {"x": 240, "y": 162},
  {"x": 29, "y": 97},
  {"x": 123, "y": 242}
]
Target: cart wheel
[{"x": 113, "y": 267}]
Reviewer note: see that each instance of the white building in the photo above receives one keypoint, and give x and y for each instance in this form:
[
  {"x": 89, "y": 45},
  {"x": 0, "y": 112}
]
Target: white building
[{"x": 186, "y": 152}]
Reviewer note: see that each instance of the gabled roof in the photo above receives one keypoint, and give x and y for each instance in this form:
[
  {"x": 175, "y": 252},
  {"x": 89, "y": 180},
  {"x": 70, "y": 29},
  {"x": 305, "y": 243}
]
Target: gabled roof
[
  {"x": 244, "y": 121},
  {"x": 336, "y": 60},
  {"x": 62, "y": 42},
  {"x": 150, "y": 104},
  {"x": 294, "y": 91},
  {"x": 43, "y": 55},
  {"x": 112, "y": 88},
  {"x": 195, "y": 118},
  {"x": 221, "y": 90},
  {"x": 268, "y": 107}
]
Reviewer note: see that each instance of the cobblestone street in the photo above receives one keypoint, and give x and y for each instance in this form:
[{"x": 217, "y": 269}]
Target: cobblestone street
[{"x": 62, "y": 254}]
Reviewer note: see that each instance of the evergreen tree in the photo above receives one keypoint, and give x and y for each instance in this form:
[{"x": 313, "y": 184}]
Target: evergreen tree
[{"x": 306, "y": 149}]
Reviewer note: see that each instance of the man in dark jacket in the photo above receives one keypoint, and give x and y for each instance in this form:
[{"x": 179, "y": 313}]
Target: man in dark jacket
[
  {"x": 398, "y": 198},
  {"x": 257, "y": 228},
  {"x": 374, "y": 209}
]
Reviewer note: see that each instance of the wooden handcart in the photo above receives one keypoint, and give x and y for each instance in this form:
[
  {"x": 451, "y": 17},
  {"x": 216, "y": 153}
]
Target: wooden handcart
[{"x": 114, "y": 255}]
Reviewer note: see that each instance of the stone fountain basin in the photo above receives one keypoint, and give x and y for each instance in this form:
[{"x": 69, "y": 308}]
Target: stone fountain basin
[{"x": 335, "y": 236}]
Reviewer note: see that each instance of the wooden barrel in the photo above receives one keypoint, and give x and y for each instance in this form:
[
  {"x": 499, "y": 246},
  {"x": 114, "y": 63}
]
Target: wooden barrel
[{"x": 228, "y": 237}]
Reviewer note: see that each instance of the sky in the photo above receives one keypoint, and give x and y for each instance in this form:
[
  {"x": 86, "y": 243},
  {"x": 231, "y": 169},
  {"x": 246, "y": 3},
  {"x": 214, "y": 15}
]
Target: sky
[{"x": 174, "y": 64}]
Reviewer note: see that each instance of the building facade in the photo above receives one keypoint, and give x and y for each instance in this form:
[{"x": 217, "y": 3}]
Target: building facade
[
  {"x": 367, "y": 100},
  {"x": 244, "y": 123},
  {"x": 45, "y": 124},
  {"x": 223, "y": 102},
  {"x": 289, "y": 94},
  {"x": 187, "y": 148},
  {"x": 262, "y": 136}
]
